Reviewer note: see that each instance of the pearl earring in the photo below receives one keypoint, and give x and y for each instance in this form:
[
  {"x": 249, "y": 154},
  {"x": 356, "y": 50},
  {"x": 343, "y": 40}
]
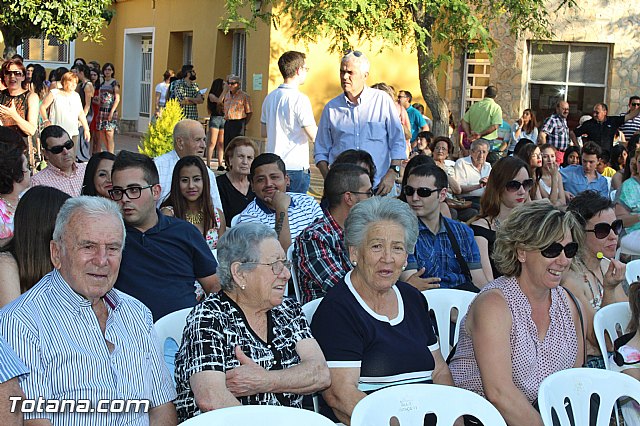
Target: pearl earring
[
  {"x": 242, "y": 287},
  {"x": 354, "y": 262}
]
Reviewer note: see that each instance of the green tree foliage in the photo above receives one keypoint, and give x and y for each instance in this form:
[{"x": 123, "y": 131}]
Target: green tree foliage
[
  {"x": 456, "y": 25},
  {"x": 158, "y": 138},
  {"x": 64, "y": 19}
]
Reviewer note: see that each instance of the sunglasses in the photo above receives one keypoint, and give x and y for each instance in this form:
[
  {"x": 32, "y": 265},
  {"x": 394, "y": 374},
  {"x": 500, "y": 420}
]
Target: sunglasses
[
  {"x": 422, "y": 192},
  {"x": 555, "y": 249},
  {"x": 634, "y": 104},
  {"x": 603, "y": 229},
  {"x": 356, "y": 53},
  {"x": 514, "y": 185},
  {"x": 14, "y": 73},
  {"x": 58, "y": 149},
  {"x": 232, "y": 83}
]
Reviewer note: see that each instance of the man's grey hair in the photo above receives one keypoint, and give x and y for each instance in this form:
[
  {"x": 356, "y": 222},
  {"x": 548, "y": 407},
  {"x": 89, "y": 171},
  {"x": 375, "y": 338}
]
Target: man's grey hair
[
  {"x": 377, "y": 209},
  {"x": 475, "y": 144},
  {"x": 86, "y": 206},
  {"x": 240, "y": 244},
  {"x": 361, "y": 60}
]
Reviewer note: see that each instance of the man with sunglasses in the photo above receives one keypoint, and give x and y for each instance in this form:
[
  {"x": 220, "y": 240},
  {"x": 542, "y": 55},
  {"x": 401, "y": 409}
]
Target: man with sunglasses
[
  {"x": 631, "y": 127},
  {"x": 187, "y": 93},
  {"x": 163, "y": 256},
  {"x": 439, "y": 261},
  {"x": 62, "y": 171},
  {"x": 237, "y": 110},
  {"x": 321, "y": 257},
  {"x": 361, "y": 118},
  {"x": 581, "y": 177}
]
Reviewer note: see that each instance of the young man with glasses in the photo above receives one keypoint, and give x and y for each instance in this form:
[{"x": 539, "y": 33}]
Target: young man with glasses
[
  {"x": 632, "y": 126},
  {"x": 435, "y": 262},
  {"x": 163, "y": 256},
  {"x": 62, "y": 171},
  {"x": 237, "y": 110},
  {"x": 321, "y": 256}
]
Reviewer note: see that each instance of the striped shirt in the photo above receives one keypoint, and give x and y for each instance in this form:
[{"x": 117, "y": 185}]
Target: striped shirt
[
  {"x": 630, "y": 127},
  {"x": 54, "y": 177},
  {"x": 303, "y": 210},
  {"x": 10, "y": 365},
  {"x": 56, "y": 333}
]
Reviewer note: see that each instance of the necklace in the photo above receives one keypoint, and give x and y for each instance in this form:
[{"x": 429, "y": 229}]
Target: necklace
[
  {"x": 596, "y": 301},
  {"x": 195, "y": 218},
  {"x": 11, "y": 206}
]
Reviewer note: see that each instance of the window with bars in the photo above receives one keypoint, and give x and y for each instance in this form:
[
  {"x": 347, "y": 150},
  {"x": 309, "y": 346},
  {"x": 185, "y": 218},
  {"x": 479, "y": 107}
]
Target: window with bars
[
  {"x": 574, "y": 72},
  {"x": 239, "y": 57},
  {"x": 45, "y": 49},
  {"x": 477, "y": 72}
]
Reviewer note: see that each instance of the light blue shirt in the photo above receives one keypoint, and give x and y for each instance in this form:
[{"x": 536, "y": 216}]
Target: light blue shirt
[
  {"x": 10, "y": 365},
  {"x": 373, "y": 125},
  {"x": 575, "y": 181},
  {"x": 56, "y": 333}
]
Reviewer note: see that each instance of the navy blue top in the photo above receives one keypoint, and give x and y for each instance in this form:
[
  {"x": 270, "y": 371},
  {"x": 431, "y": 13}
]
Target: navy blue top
[{"x": 159, "y": 267}]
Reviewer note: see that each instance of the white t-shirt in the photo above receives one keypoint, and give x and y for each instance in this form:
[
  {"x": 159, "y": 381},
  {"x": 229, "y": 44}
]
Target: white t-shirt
[
  {"x": 467, "y": 174},
  {"x": 285, "y": 112},
  {"x": 162, "y": 88},
  {"x": 64, "y": 111}
]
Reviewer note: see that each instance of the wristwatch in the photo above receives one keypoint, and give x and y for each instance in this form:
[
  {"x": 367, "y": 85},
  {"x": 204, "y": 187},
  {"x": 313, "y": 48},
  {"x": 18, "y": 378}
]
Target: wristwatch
[{"x": 395, "y": 169}]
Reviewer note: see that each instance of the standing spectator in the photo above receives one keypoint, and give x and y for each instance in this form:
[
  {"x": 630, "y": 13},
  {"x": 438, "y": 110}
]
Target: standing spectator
[
  {"x": 361, "y": 118},
  {"x": 96, "y": 81},
  {"x": 37, "y": 86},
  {"x": 402, "y": 113},
  {"x": 631, "y": 127},
  {"x": 418, "y": 123},
  {"x": 602, "y": 128},
  {"x": 109, "y": 100},
  {"x": 525, "y": 127},
  {"x": 62, "y": 171},
  {"x": 215, "y": 136},
  {"x": 237, "y": 110},
  {"x": 162, "y": 90},
  {"x": 64, "y": 108},
  {"x": 482, "y": 119},
  {"x": 12, "y": 372},
  {"x": 420, "y": 109},
  {"x": 85, "y": 89},
  {"x": 555, "y": 131},
  {"x": 235, "y": 186},
  {"x": 579, "y": 178},
  {"x": 18, "y": 106},
  {"x": 187, "y": 93},
  {"x": 288, "y": 123}
]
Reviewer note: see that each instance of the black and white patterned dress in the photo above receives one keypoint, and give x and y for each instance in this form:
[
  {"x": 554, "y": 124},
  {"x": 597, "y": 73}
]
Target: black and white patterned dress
[{"x": 213, "y": 330}]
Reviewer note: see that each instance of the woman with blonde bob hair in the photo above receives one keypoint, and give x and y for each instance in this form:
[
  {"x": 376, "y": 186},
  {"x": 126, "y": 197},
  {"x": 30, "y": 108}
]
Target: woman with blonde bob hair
[
  {"x": 523, "y": 326},
  {"x": 63, "y": 107}
]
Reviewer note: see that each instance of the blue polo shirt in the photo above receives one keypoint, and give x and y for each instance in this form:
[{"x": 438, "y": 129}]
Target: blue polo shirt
[
  {"x": 575, "y": 181},
  {"x": 417, "y": 122},
  {"x": 159, "y": 267},
  {"x": 435, "y": 253}
]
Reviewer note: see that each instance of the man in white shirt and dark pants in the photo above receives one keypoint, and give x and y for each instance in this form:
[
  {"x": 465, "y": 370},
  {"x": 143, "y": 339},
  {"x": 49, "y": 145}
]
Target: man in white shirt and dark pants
[{"x": 288, "y": 123}]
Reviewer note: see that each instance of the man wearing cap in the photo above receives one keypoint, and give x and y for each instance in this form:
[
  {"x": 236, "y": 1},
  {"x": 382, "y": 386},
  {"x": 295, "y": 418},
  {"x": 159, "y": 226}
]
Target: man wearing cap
[{"x": 237, "y": 110}]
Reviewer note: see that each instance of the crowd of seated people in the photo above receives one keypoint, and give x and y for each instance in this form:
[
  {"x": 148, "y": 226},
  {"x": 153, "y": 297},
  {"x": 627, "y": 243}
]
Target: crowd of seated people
[{"x": 93, "y": 255}]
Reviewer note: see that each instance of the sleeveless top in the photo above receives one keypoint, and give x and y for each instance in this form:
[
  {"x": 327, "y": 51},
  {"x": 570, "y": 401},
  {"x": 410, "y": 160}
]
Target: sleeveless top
[
  {"x": 489, "y": 235},
  {"x": 532, "y": 360},
  {"x": 22, "y": 107}
]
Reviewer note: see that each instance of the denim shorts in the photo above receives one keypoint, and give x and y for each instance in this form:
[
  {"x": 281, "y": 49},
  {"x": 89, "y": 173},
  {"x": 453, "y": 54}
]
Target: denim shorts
[{"x": 216, "y": 122}]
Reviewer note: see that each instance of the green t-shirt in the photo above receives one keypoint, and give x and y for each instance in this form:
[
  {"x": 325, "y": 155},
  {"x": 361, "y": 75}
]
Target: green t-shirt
[{"x": 482, "y": 115}]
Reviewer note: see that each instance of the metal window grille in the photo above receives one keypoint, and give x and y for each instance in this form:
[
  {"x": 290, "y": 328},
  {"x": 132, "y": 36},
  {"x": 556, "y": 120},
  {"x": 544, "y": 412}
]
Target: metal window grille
[{"x": 45, "y": 49}]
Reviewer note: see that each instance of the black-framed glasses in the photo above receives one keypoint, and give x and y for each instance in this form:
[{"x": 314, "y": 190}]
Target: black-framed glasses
[
  {"x": 232, "y": 83},
  {"x": 132, "y": 192},
  {"x": 554, "y": 250},
  {"x": 514, "y": 185},
  {"x": 422, "y": 192},
  {"x": 17, "y": 73},
  {"x": 59, "y": 148},
  {"x": 603, "y": 229},
  {"x": 276, "y": 266},
  {"x": 635, "y": 104},
  {"x": 368, "y": 193}
]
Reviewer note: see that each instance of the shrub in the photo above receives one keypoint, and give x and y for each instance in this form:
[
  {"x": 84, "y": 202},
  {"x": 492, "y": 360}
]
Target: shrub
[{"x": 158, "y": 138}]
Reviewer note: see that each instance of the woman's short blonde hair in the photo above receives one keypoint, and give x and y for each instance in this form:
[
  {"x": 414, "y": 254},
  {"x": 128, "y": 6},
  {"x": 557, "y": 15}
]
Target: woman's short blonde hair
[
  {"x": 532, "y": 226},
  {"x": 67, "y": 78}
]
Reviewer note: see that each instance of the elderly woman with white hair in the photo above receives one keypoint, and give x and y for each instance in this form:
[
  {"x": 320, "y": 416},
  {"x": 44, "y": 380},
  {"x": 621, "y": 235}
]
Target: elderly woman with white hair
[
  {"x": 374, "y": 330},
  {"x": 247, "y": 344}
]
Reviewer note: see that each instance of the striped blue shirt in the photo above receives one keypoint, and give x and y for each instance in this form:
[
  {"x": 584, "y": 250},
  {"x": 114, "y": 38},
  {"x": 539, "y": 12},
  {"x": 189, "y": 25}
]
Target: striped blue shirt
[
  {"x": 303, "y": 210},
  {"x": 56, "y": 333},
  {"x": 10, "y": 365}
]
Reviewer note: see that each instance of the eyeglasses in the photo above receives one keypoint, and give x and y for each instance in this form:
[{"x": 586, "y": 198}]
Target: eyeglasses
[
  {"x": 603, "y": 229},
  {"x": 232, "y": 83},
  {"x": 356, "y": 53},
  {"x": 59, "y": 148},
  {"x": 132, "y": 193},
  {"x": 276, "y": 267},
  {"x": 441, "y": 148},
  {"x": 368, "y": 193},
  {"x": 422, "y": 192},
  {"x": 635, "y": 104},
  {"x": 514, "y": 185},
  {"x": 555, "y": 249},
  {"x": 14, "y": 73}
]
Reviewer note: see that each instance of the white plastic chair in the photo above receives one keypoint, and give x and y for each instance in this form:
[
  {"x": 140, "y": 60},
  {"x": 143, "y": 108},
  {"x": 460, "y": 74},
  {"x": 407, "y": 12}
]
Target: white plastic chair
[
  {"x": 309, "y": 309},
  {"x": 626, "y": 251},
  {"x": 410, "y": 403},
  {"x": 263, "y": 415},
  {"x": 633, "y": 271},
  {"x": 577, "y": 385},
  {"x": 294, "y": 274},
  {"x": 171, "y": 326},
  {"x": 610, "y": 318},
  {"x": 441, "y": 301}
]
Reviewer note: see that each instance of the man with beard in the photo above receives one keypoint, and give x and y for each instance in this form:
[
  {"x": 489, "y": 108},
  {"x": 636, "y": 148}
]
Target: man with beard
[{"x": 187, "y": 92}]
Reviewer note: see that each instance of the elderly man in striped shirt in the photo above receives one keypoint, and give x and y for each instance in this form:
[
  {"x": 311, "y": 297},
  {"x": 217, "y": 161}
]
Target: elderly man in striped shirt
[
  {"x": 89, "y": 347},
  {"x": 12, "y": 371}
]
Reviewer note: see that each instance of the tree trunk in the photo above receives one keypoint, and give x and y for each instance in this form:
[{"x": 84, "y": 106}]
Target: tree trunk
[{"x": 11, "y": 42}]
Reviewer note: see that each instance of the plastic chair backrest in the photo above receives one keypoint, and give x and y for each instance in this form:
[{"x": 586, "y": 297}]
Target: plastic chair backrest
[
  {"x": 264, "y": 415},
  {"x": 171, "y": 326},
  {"x": 633, "y": 271},
  {"x": 577, "y": 385},
  {"x": 410, "y": 403},
  {"x": 308, "y": 309},
  {"x": 441, "y": 301},
  {"x": 610, "y": 318},
  {"x": 294, "y": 274}
]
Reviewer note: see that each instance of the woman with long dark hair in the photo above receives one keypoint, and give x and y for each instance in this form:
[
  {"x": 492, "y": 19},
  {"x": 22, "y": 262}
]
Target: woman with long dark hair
[
  {"x": 109, "y": 100},
  {"x": 215, "y": 135},
  {"x": 524, "y": 127},
  {"x": 97, "y": 175},
  {"x": 531, "y": 155}
]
